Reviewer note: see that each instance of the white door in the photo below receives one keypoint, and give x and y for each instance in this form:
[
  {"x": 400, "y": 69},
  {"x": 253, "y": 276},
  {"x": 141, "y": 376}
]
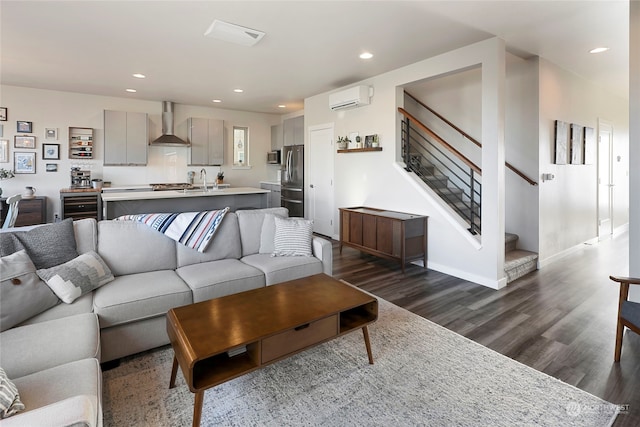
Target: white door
[
  {"x": 320, "y": 188},
  {"x": 605, "y": 181}
]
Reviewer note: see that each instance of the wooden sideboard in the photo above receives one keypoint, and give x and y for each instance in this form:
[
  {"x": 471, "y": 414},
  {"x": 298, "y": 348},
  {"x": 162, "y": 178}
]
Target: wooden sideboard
[
  {"x": 388, "y": 234},
  {"x": 30, "y": 211}
]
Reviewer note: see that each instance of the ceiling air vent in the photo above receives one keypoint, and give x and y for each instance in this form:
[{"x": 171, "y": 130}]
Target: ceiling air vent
[{"x": 233, "y": 33}]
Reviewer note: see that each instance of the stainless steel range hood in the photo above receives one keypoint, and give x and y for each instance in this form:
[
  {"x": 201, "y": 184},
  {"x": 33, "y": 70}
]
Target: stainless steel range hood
[{"x": 168, "y": 138}]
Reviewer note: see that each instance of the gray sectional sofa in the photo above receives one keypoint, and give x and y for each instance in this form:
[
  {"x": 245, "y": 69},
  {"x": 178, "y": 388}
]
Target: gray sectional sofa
[{"x": 53, "y": 357}]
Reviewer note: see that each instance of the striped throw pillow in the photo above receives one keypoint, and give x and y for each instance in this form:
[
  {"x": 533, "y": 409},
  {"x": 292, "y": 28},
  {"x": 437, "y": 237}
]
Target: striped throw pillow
[
  {"x": 9, "y": 398},
  {"x": 293, "y": 237}
]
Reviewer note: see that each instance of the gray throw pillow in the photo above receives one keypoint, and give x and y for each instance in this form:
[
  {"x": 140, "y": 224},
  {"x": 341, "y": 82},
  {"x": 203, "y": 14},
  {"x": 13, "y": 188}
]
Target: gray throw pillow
[
  {"x": 77, "y": 277},
  {"x": 22, "y": 293},
  {"x": 48, "y": 245},
  {"x": 10, "y": 403}
]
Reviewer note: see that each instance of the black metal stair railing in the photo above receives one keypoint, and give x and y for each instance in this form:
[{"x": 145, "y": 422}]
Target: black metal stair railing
[{"x": 451, "y": 175}]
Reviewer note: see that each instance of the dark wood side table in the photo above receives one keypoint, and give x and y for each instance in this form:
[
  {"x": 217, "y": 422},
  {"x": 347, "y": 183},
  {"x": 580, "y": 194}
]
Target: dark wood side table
[
  {"x": 388, "y": 234},
  {"x": 30, "y": 211}
]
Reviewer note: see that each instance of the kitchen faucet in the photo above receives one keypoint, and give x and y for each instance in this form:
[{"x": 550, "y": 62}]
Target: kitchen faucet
[{"x": 203, "y": 175}]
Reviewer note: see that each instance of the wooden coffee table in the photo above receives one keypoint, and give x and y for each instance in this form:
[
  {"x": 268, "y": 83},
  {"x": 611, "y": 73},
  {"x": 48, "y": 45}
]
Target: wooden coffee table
[{"x": 217, "y": 340}]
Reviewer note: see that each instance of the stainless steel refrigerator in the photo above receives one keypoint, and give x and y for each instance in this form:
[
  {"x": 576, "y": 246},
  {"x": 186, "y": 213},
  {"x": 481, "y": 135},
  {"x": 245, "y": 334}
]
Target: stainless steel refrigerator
[{"x": 292, "y": 179}]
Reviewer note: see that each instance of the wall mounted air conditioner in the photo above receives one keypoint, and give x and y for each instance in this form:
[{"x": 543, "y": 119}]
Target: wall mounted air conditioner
[{"x": 356, "y": 96}]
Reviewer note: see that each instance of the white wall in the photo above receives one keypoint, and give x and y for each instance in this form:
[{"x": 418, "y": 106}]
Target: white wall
[
  {"x": 634, "y": 145},
  {"x": 568, "y": 204},
  {"x": 373, "y": 179},
  {"x": 61, "y": 110}
]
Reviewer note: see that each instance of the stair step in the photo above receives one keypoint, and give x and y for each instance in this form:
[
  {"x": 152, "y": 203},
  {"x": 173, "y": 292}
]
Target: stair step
[
  {"x": 510, "y": 242},
  {"x": 517, "y": 263}
]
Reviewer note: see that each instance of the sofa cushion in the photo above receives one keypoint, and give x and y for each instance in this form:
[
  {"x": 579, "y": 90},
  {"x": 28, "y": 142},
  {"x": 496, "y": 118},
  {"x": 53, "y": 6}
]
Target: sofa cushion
[
  {"x": 47, "y": 245},
  {"x": 130, "y": 247},
  {"x": 293, "y": 237},
  {"x": 250, "y": 222},
  {"x": 139, "y": 296},
  {"x": 70, "y": 394},
  {"x": 86, "y": 231},
  {"x": 32, "y": 348},
  {"x": 219, "y": 278},
  {"x": 225, "y": 244},
  {"x": 282, "y": 269},
  {"x": 10, "y": 403},
  {"x": 82, "y": 305},
  {"x": 268, "y": 233},
  {"x": 77, "y": 277},
  {"x": 22, "y": 293}
]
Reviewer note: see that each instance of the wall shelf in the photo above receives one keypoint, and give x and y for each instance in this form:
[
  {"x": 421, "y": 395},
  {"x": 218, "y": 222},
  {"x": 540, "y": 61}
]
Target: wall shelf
[{"x": 360, "y": 150}]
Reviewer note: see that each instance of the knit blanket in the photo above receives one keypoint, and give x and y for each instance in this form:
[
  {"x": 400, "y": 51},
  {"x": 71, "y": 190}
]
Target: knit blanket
[{"x": 192, "y": 229}]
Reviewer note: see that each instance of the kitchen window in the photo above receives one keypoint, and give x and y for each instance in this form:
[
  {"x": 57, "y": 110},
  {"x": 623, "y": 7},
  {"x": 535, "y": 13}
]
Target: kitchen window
[{"x": 240, "y": 147}]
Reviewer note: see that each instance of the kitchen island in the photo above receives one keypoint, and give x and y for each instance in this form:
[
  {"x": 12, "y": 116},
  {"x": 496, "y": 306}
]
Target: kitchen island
[{"x": 116, "y": 204}]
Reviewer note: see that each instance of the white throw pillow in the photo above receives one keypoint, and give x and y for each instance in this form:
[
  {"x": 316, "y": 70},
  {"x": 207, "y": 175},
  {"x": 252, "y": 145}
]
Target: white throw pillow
[
  {"x": 10, "y": 403},
  {"x": 77, "y": 277},
  {"x": 292, "y": 237}
]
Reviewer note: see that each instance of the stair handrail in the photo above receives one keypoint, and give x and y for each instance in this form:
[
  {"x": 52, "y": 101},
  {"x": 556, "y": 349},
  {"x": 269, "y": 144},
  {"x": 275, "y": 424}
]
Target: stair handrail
[
  {"x": 470, "y": 138},
  {"x": 441, "y": 141}
]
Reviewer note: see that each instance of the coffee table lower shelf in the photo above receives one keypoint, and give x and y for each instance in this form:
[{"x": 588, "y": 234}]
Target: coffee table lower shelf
[{"x": 206, "y": 364}]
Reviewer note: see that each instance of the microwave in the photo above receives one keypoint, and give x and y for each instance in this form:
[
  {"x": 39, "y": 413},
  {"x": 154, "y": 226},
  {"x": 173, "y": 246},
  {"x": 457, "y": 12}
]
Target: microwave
[{"x": 273, "y": 157}]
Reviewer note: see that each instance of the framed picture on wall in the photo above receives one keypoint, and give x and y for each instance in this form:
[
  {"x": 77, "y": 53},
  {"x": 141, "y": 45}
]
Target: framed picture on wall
[
  {"x": 4, "y": 151},
  {"x": 51, "y": 151},
  {"x": 24, "y": 127},
  {"x": 561, "y": 138},
  {"x": 24, "y": 162},
  {"x": 3, "y": 114},
  {"x": 51, "y": 134},
  {"x": 589, "y": 145},
  {"x": 576, "y": 144},
  {"x": 51, "y": 167},
  {"x": 26, "y": 141}
]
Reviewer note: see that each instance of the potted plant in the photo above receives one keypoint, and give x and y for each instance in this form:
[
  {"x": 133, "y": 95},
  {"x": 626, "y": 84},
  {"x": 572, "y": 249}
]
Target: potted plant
[
  {"x": 343, "y": 142},
  {"x": 376, "y": 142},
  {"x": 5, "y": 174},
  {"x": 220, "y": 178}
]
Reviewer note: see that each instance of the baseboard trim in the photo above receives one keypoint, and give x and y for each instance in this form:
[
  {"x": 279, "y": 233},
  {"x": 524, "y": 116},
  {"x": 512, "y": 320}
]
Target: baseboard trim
[
  {"x": 556, "y": 257},
  {"x": 464, "y": 275}
]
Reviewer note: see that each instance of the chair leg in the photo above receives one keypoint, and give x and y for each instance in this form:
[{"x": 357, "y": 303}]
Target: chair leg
[{"x": 619, "y": 334}]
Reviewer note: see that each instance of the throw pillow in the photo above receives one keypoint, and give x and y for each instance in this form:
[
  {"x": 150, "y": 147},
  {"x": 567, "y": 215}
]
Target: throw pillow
[
  {"x": 77, "y": 277},
  {"x": 292, "y": 237},
  {"x": 22, "y": 293},
  {"x": 47, "y": 245},
  {"x": 10, "y": 403},
  {"x": 268, "y": 233}
]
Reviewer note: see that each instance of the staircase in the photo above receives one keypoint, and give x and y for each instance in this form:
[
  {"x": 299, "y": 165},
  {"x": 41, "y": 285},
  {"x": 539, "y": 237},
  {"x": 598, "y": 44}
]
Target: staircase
[{"x": 517, "y": 262}]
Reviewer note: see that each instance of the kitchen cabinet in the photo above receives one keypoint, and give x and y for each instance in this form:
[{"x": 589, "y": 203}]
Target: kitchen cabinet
[
  {"x": 393, "y": 235},
  {"x": 273, "y": 201},
  {"x": 80, "y": 143},
  {"x": 206, "y": 137},
  {"x": 126, "y": 137},
  {"x": 293, "y": 131},
  {"x": 30, "y": 211},
  {"x": 79, "y": 204},
  {"x": 277, "y": 137}
]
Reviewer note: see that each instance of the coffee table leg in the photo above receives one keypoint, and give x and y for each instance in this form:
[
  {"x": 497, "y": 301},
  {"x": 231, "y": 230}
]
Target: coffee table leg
[
  {"x": 174, "y": 371},
  {"x": 197, "y": 408},
  {"x": 367, "y": 343}
]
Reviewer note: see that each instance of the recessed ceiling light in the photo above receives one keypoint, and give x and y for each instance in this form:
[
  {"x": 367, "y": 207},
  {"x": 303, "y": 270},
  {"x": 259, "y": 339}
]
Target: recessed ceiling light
[
  {"x": 131, "y": 90},
  {"x": 282, "y": 106},
  {"x": 139, "y": 76},
  {"x": 599, "y": 50},
  {"x": 366, "y": 55},
  {"x": 238, "y": 90},
  {"x": 216, "y": 100}
]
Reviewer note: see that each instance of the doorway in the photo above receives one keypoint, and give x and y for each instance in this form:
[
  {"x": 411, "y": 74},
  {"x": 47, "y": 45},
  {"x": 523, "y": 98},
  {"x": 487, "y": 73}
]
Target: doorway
[
  {"x": 321, "y": 203},
  {"x": 605, "y": 180}
]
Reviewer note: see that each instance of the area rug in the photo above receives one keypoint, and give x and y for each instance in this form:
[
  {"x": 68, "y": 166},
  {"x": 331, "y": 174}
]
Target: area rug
[{"x": 423, "y": 374}]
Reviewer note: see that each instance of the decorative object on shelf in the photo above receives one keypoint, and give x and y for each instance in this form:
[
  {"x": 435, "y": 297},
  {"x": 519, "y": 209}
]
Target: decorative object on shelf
[
  {"x": 51, "y": 167},
  {"x": 80, "y": 143},
  {"x": 24, "y": 141},
  {"x": 24, "y": 127},
  {"x": 3, "y": 114},
  {"x": 51, "y": 134},
  {"x": 376, "y": 142},
  {"x": 51, "y": 151},
  {"x": 24, "y": 162},
  {"x": 220, "y": 178},
  {"x": 343, "y": 142},
  {"x": 5, "y": 174},
  {"x": 29, "y": 192},
  {"x": 4, "y": 151},
  {"x": 358, "y": 142}
]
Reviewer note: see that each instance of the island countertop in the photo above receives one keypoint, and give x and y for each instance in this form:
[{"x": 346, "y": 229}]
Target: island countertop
[{"x": 178, "y": 194}]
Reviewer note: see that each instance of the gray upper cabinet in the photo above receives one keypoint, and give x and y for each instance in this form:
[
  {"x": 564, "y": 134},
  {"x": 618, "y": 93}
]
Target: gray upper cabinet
[
  {"x": 276, "y": 137},
  {"x": 126, "y": 136},
  {"x": 206, "y": 137},
  {"x": 293, "y": 131}
]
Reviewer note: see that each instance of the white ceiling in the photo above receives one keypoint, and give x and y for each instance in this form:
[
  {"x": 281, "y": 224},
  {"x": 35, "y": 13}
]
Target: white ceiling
[{"x": 310, "y": 46}]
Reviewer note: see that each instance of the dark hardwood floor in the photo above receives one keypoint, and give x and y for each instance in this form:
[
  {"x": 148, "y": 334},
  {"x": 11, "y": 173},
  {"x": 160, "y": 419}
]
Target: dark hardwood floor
[{"x": 560, "y": 320}]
